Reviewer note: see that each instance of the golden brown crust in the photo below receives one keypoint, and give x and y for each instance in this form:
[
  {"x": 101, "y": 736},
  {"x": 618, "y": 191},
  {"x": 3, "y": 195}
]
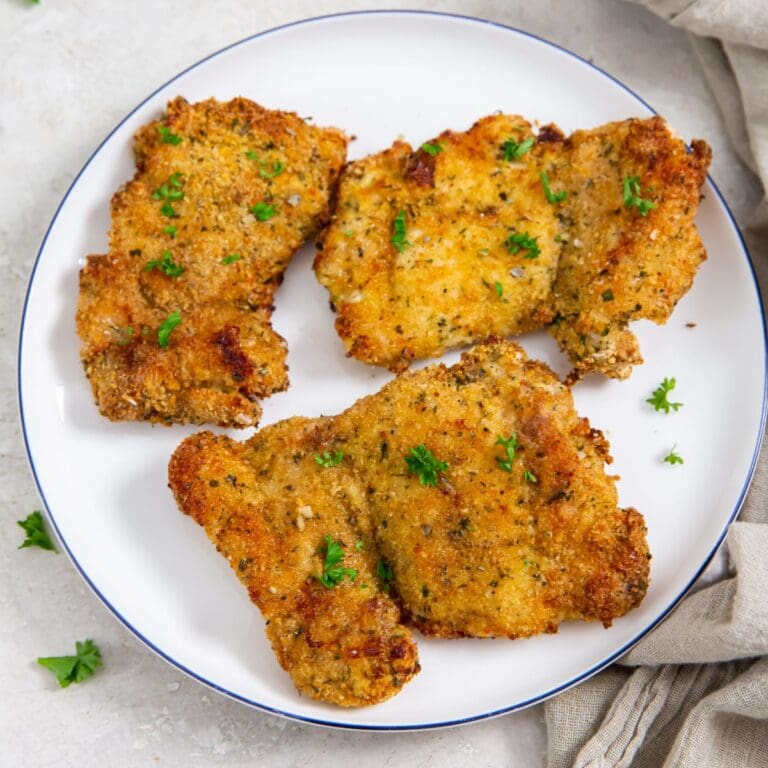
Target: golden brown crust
[
  {"x": 602, "y": 264},
  {"x": 267, "y": 506},
  {"x": 616, "y": 264},
  {"x": 484, "y": 552},
  {"x": 488, "y": 552},
  {"x": 224, "y": 354},
  {"x": 454, "y": 281}
]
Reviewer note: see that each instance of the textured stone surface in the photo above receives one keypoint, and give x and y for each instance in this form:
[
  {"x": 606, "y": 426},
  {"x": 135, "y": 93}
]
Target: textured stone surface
[{"x": 69, "y": 71}]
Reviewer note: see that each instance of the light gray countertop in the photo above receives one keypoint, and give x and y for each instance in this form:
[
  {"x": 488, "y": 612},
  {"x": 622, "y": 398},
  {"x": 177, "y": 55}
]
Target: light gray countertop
[{"x": 69, "y": 72}]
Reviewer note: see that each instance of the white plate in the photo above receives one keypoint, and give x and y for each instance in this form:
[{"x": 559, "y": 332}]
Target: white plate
[{"x": 380, "y": 75}]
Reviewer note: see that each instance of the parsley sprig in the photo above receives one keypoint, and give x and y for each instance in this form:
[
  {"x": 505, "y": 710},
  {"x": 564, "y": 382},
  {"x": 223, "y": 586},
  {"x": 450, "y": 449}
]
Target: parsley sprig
[
  {"x": 231, "y": 259},
  {"x": 328, "y": 459},
  {"x": 36, "y": 535},
  {"x": 673, "y": 457},
  {"x": 398, "y": 238},
  {"x": 263, "y": 211},
  {"x": 659, "y": 399},
  {"x": 510, "y": 448},
  {"x": 513, "y": 150},
  {"x": 74, "y": 669},
  {"x": 170, "y": 192},
  {"x": 165, "y": 330},
  {"x": 552, "y": 197},
  {"x": 333, "y": 573},
  {"x": 166, "y": 265},
  {"x": 432, "y": 149},
  {"x": 522, "y": 241},
  {"x": 422, "y": 462},
  {"x": 632, "y": 196},
  {"x": 167, "y": 136}
]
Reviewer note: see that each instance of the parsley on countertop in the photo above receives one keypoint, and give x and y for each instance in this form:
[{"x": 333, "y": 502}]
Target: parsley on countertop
[
  {"x": 36, "y": 535},
  {"x": 74, "y": 669}
]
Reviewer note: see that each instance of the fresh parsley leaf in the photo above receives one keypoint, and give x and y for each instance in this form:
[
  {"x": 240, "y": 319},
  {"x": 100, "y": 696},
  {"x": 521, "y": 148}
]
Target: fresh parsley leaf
[
  {"x": 514, "y": 151},
  {"x": 263, "y": 211},
  {"x": 74, "y": 669},
  {"x": 530, "y": 477},
  {"x": 607, "y": 295},
  {"x": 422, "y": 462},
  {"x": 166, "y": 265},
  {"x": 167, "y": 136},
  {"x": 432, "y": 149},
  {"x": 170, "y": 230},
  {"x": 231, "y": 259},
  {"x": 165, "y": 330},
  {"x": 632, "y": 196},
  {"x": 522, "y": 241},
  {"x": 172, "y": 189},
  {"x": 673, "y": 457},
  {"x": 510, "y": 446},
  {"x": 269, "y": 173},
  {"x": 499, "y": 289},
  {"x": 399, "y": 232},
  {"x": 251, "y": 155},
  {"x": 168, "y": 210},
  {"x": 36, "y": 535},
  {"x": 327, "y": 459},
  {"x": 552, "y": 197},
  {"x": 659, "y": 399},
  {"x": 334, "y": 573},
  {"x": 384, "y": 571}
]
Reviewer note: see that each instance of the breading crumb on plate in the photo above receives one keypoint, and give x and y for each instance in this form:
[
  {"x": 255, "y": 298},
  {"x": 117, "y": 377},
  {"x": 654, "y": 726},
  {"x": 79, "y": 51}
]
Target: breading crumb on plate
[
  {"x": 175, "y": 319},
  {"x": 471, "y": 500}
]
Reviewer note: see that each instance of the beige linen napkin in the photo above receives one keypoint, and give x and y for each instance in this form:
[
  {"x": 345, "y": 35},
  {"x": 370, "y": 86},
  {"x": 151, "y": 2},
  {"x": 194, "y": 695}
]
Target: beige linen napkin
[{"x": 694, "y": 693}]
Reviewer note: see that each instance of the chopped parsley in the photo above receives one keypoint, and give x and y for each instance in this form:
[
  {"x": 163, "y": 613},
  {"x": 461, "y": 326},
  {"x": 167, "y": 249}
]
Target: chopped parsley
[
  {"x": 170, "y": 230},
  {"x": 422, "y": 462},
  {"x": 607, "y": 295},
  {"x": 530, "y": 477},
  {"x": 399, "y": 232},
  {"x": 166, "y": 265},
  {"x": 499, "y": 289},
  {"x": 522, "y": 241},
  {"x": 263, "y": 211},
  {"x": 328, "y": 459},
  {"x": 432, "y": 149},
  {"x": 169, "y": 211},
  {"x": 74, "y": 669},
  {"x": 165, "y": 330},
  {"x": 659, "y": 399},
  {"x": 252, "y": 155},
  {"x": 269, "y": 173},
  {"x": 673, "y": 457},
  {"x": 36, "y": 535},
  {"x": 334, "y": 573},
  {"x": 167, "y": 136},
  {"x": 632, "y": 198},
  {"x": 514, "y": 151},
  {"x": 348, "y": 233},
  {"x": 510, "y": 446},
  {"x": 231, "y": 259},
  {"x": 171, "y": 190},
  {"x": 359, "y": 545},
  {"x": 384, "y": 572},
  {"x": 552, "y": 197}
]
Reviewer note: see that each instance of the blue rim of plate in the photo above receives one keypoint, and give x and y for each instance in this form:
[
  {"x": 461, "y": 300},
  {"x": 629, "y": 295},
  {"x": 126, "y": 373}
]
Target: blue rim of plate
[{"x": 485, "y": 715}]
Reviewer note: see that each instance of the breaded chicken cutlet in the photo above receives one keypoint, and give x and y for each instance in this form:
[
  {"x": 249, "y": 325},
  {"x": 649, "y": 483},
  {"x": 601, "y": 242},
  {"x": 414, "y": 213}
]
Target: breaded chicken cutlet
[
  {"x": 479, "y": 498},
  {"x": 298, "y": 537},
  {"x": 441, "y": 246},
  {"x": 175, "y": 319},
  {"x": 500, "y": 231},
  {"x": 630, "y": 249}
]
